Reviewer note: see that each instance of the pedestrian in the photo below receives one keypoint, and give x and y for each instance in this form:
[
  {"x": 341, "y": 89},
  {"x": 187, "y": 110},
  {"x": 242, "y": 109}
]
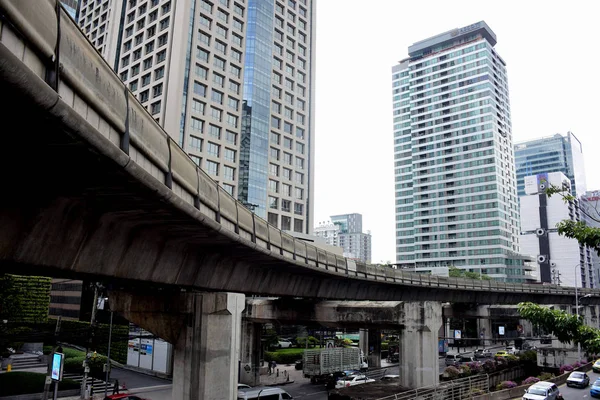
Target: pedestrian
[
  {"x": 273, "y": 365},
  {"x": 270, "y": 367}
]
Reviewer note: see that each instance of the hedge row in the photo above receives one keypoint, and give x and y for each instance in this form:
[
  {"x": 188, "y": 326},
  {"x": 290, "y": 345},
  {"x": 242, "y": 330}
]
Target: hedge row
[
  {"x": 18, "y": 382},
  {"x": 288, "y": 357},
  {"x": 120, "y": 336}
]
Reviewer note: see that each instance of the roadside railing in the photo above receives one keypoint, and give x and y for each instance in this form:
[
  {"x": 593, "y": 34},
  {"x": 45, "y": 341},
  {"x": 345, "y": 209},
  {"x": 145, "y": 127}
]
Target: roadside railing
[{"x": 458, "y": 389}]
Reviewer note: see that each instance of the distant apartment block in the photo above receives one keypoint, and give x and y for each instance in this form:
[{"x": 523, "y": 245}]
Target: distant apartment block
[
  {"x": 345, "y": 231},
  {"x": 590, "y": 203},
  {"x": 560, "y": 260},
  {"x": 556, "y": 153}
]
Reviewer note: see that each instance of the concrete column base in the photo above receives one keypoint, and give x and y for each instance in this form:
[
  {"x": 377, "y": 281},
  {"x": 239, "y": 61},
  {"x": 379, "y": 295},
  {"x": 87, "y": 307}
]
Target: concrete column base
[
  {"x": 250, "y": 353},
  {"x": 375, "y": 344},
  {"x": 419, "y": 344}
]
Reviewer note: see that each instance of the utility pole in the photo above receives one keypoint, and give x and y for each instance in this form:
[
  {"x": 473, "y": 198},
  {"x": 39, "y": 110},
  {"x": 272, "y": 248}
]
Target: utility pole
[
  {"x": 108, "y": 355},
  {"x": 49, "y": 373},
  {"x": 86, "y": 368}
]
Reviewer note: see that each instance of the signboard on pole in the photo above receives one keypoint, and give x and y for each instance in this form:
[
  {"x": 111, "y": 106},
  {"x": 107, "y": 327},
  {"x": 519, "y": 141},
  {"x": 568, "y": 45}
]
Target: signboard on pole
[
  {"x": 57, "y": 366},
  {"x": 457, "y": 334}
]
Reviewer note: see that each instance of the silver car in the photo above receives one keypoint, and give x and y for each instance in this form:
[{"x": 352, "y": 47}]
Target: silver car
[
  {"x": 578, "y": 379},
  {"x": 542, "y": 391}
]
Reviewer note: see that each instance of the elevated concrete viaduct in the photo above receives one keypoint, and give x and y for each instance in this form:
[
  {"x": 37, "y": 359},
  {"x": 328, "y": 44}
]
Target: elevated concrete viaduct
[
  {"x": 98, "y": 189},
  {"x": 95, "y": 189}
]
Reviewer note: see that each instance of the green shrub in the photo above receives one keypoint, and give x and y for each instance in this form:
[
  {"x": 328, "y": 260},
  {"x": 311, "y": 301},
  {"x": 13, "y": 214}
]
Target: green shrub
[
  {"x": 465, "y": 370},
  {"x": 385, "y": 345},
  {"x": 452, "y": 372},
  {"x": 17, "y": 382},
  {"x": 312, "y": 341},
  {"x": 72, "y": 353},
  {"x": 544, "y": 376},
  {"x": 284, "y": 356},
  {"x": 529, "y": 356},
  {"x": 74, "y": 364}
]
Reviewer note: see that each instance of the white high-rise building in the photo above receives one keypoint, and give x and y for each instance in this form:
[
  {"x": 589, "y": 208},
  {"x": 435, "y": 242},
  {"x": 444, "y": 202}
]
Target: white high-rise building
[
  {"x": 456, "y": 202},
  {"x": 232, "y": 81},
  {"x": 560, "y": 260},
  {"x": 345, "y": 231}
]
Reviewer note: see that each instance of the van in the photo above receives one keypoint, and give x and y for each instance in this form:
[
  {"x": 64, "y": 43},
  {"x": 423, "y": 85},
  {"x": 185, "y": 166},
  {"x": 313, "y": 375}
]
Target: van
[
  {"x": 452, "y": 359},
  {"x": 265, "y": 393}
]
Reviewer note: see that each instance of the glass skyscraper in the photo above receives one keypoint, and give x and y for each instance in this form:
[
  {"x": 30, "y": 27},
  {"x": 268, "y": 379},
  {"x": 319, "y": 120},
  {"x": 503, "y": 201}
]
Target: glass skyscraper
[
  {"x": 232, "y": 81},
  {"x": 455, "y": 185},
  {"x": 556, "y": 153}
]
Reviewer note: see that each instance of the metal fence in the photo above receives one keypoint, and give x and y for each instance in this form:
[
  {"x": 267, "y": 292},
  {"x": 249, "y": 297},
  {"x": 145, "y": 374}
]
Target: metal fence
[{"x": 458, "y": 389}]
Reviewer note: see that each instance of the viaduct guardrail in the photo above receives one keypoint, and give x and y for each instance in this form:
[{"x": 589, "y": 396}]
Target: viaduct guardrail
[{"x": 39, "y": 39}]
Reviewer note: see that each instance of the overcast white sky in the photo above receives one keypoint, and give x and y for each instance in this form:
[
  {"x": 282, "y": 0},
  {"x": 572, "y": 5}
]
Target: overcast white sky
[{"x": 552, "y": 53}]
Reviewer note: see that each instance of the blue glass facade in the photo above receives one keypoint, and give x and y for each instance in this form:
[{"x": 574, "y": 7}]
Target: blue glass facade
[
  {"x": 553, "y": 154},
  {"x": 186, "y": 76},
  {"x": 254, "y": 150}
]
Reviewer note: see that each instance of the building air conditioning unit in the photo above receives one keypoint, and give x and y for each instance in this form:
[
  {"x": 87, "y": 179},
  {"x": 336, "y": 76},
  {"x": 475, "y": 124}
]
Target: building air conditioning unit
[
  {"x": 541, "y": 259},
  {"x": 540, "y": 231}
]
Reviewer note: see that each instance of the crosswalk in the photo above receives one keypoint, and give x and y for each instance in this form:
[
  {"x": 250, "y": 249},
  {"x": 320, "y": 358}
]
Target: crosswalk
[{"x": 98, "y": 385}]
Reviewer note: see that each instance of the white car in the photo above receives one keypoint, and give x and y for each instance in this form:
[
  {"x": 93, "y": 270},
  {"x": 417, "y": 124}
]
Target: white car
[
  {"x": 353, "y": 380},
  {"x": 284, "y": 344}
]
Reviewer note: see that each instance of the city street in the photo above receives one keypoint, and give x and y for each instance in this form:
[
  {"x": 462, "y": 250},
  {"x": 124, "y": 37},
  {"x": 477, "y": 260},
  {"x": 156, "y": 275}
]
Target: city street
[{"x": 575, "y": 393}]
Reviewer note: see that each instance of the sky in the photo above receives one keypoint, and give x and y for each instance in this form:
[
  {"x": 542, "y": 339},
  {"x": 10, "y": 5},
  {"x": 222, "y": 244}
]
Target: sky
[{"x": 552, "y": 54}]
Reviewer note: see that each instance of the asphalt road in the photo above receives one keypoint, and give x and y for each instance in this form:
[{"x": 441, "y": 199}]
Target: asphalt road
[{"x": 576, "y": 393}]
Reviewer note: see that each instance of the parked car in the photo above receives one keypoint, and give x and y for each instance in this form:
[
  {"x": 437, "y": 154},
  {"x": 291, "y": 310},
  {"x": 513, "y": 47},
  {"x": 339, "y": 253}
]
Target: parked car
[
  {"x": 465, "y": 359},
  {"x": 595, "y": 389},
  {"x": 512, "y": 350},
  {"x": 242, "y": 386},
  {"x": 542, "y": 391},
  {"x": 390, "y": 377},
  {"x": 483, "y": 353},
  {"x": 264, "y": 392},
  {"x": 596, "y": 366},
  {"x": 502, "y": 354},
  {"x": 452, "y": 359},
  {"x": 284, "y": 343},
  {"x": 353, "y": 380},
  {"x": 578, "y": 379}
]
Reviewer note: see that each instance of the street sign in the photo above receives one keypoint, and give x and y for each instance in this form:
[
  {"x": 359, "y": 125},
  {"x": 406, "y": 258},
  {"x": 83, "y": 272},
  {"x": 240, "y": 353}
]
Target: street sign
[
  {"x": 501, "y": 330},
  {"x": 457, "y": 334}
]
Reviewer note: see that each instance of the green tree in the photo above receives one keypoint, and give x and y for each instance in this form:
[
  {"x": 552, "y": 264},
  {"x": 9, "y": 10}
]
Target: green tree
[
  {"x": 578, "y": 230},
  {"x": 10, "y": 298},
  {"x": 566, "y": 327}
]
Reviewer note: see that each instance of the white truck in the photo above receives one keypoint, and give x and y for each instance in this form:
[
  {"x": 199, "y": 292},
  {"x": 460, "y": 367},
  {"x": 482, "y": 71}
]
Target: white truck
[{"x": 323, "y": 364}]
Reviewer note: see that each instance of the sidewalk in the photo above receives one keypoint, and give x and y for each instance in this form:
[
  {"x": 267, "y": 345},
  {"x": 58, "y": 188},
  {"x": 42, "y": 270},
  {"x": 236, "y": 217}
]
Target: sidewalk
[{"x": 284, "y": 374}]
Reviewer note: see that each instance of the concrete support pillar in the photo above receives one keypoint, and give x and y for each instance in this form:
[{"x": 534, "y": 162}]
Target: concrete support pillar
[
  {"x": 205, "y": 365},
  {"x": 374, "y": 340},
  {"x": 363, "y": 342},
  {"x": 250, "y": 353},
  {"x": 205, "y": 330},
  {"x": 419, "y": 361}
]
